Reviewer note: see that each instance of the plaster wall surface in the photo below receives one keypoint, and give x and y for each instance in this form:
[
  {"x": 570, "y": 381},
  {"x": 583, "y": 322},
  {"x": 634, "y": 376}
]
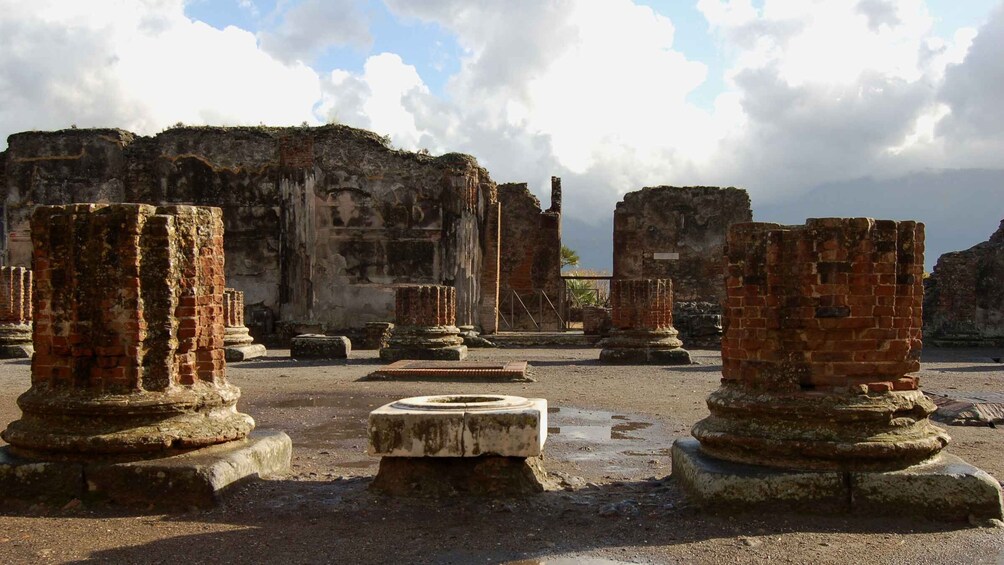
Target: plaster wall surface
[{"x": 321, "y": 223}]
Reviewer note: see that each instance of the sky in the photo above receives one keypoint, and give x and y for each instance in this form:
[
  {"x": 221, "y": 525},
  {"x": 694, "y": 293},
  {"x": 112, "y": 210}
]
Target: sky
[{"x": 888, "y": 108}]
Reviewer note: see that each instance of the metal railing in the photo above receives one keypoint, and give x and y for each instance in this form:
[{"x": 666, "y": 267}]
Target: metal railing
[{"x": 518, "y": 310}]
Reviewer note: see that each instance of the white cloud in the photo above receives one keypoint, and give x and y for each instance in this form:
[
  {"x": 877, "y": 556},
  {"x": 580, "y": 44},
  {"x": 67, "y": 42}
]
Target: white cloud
[
  {"x": 311, "y": 26},
  {"x": 140, "y": 65}
]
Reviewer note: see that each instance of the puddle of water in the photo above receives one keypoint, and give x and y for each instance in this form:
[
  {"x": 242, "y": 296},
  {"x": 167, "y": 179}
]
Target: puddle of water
[{"x": 615, "y": 442}]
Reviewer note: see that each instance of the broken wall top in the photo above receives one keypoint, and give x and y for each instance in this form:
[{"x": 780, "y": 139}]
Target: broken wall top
[{"x": 678, "y": 233}]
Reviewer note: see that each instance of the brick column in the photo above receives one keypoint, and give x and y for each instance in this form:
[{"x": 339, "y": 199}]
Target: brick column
[
  {"x": 425, "y": 325},
  {"x": 822, "y": 333},
  {"x": 237, "y": 341},
  {"x": 642, "y": 324},
  {"x": 129, "y": 359},
  {"x": 489, "y": 309},
  {"x": 15, "y": 313}
]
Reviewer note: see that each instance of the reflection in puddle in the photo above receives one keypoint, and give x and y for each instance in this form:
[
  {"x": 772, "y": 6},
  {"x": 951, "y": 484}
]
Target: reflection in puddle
[{"x": 594, "y": 425}]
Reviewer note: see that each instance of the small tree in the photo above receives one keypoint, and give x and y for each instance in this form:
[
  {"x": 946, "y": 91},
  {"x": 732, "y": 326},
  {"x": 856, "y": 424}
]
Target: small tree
[{"x": 569, "y": 258}]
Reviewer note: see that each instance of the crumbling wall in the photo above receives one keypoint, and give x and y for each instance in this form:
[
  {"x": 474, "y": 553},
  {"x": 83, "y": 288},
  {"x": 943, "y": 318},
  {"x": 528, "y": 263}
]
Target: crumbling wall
[
  {"x": 964, "y": 296},
  {"x": 320, "y": 223},
  {"x": 679, "y": 233},
  {"x": 530, "y": 256}
]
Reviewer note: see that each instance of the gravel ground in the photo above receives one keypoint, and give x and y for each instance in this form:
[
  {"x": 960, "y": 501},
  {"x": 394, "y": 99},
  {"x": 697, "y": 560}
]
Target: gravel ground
[{"x": 608, "y": 446}]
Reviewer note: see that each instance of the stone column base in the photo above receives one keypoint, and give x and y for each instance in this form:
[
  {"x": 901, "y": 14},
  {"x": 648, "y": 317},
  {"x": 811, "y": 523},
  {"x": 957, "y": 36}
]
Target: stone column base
[
  {"x": 16, "y": 351},
  {"x": 454, "y": 353},
  {"x": 645, "y": 356},
  {"x": 197, "y": 478},
  {"x": 15, "y": 341},
  {"x": 237, "y": 353},
  {"x": 447, "y": 476},
  {"x": 943, "y": 488}
]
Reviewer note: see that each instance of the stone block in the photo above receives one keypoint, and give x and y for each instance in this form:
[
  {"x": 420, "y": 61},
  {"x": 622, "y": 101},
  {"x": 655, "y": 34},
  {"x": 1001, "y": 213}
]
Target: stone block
[
  {"x": 513, "y": 371},
  {"x": 459, "y": 426},
  {"x": 237, "y": 353},
  {"x": 646, "y": 356},
  {"x": 196, "y": 478},
  {"x": 452, "y": 353},
  {"x": 318, "y": 346},
  {"x": 944, "y": 488}
]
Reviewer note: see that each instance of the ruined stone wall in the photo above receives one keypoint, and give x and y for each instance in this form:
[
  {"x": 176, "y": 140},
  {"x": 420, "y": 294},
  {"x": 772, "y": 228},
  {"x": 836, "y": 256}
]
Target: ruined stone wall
[
  {"x": 321, "y": 223},
  {"x": 678, "y": 233},
  {"x": 530, "y": 252},
  {"x": 964, "y": 301}
]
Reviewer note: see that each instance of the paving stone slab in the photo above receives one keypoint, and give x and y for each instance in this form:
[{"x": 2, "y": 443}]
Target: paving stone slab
[{"x": 409, "y": 369}]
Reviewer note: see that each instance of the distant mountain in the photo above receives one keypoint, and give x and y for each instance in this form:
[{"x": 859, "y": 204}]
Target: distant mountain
[{"x": 960, "y": 207}]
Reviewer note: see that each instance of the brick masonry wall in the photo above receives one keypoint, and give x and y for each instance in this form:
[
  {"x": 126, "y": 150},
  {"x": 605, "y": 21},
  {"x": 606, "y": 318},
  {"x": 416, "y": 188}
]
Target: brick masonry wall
[
  {"x": 15, "y": 295},
  {"x": 425, "y": 305},
  {"x": 641, "y": 304},
  {"x": 128, "y": 297},
  {"x": 964, "y": 302},
  {"x": 834, "y": 303}
]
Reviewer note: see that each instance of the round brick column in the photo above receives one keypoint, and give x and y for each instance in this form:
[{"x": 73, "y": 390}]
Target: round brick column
[
  {"x": 15, "y": 313},
  {"x": 425, "y": 325},
  {"x": 234, "y": 330},
  {"x": 822, "y": 333},
  {"x": 128, "y": 333},
  {"x": 642, "y": 324}
]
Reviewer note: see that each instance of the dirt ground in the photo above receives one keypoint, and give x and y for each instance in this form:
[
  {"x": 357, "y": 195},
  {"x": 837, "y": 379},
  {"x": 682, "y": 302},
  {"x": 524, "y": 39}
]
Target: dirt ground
[{"x": 608, "y": 446}]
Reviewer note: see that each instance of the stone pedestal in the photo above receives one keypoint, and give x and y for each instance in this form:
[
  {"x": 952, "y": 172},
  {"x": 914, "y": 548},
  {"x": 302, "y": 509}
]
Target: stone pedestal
[
  {"x": 822, "y": 333},
  {"x": 473, "y": 444},
  {"x": 15, "y": 313},
  {"x": 129, "y": 362},
  {"x": 319, "y": 346},
  {"x": 237, "y": 341},
  {"x": 425, "y": 325},
  {"x": 642, "y": 324}
]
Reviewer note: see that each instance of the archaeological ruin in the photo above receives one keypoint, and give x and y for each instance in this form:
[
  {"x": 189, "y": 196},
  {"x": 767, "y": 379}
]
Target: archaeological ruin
[
  {"x": 128, "y": 380},
  {"x": 530, "y": 284},
  {"x": 964, "y": 296},
  {"x": 822, "y": 343},
  {"x": 425, "y": 325},
  {"x": 677, "y": 233},
  {"x": 484, "y": 444},
  {"x": 237, "y": 341},
  {"x": 642, "y": 324},
  {"x": 15, "y": 313},
  {"x": 321, "y": 223}
]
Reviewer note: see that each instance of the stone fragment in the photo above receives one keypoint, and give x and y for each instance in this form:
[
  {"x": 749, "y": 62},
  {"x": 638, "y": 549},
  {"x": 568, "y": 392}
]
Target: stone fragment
[
  {"x": 15, "y": 313},
  {"x": 319, "y": 346},
  {"x": 642, "y": 324},
  {"x": 425, "y": 325},
  {"x": 237, "y": 340},
  {"x": 129, "y": 361},
  {"x": 596, "y": 320}
]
